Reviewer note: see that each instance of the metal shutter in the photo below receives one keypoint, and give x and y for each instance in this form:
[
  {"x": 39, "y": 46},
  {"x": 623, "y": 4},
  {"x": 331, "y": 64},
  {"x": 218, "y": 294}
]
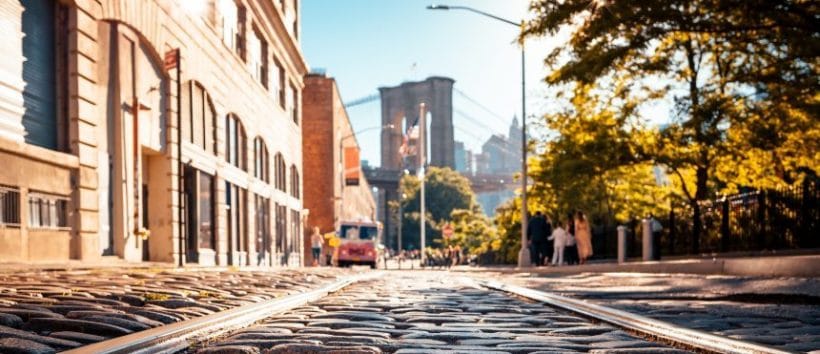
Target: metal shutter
[{"x": 39, "y": 73}]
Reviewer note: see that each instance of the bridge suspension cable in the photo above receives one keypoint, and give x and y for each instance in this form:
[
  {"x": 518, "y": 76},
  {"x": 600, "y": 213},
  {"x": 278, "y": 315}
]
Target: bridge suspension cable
[
  {"x": 362, "y": 100},
  {"x": 483, "y": 107}
]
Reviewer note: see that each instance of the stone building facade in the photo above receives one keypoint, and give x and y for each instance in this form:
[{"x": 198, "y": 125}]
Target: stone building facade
[
  {"x": 151, "y": 130},
  {"x": 326, "y": 133}
]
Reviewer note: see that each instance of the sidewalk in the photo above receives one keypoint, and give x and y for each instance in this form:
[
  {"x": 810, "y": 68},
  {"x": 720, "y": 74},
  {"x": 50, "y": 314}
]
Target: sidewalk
[{"x": 784, "y": 266}]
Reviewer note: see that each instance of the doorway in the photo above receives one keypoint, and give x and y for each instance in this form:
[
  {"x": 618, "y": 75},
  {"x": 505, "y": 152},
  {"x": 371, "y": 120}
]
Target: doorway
[{"x": 199, "y": 216}]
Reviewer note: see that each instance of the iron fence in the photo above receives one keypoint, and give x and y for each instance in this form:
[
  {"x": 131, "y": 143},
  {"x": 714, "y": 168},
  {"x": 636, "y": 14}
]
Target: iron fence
[{"x": 758, "y": 220}]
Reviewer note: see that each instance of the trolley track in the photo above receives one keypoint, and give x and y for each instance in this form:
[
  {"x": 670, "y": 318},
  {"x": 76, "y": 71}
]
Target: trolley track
[
  {"x": 373, "y": 313},
  {"x": 179, "y": 336}
]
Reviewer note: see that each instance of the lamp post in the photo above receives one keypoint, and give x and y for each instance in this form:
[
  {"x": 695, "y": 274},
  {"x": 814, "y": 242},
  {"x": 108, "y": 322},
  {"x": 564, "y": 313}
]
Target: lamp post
[{"x": 524, "y": 253}]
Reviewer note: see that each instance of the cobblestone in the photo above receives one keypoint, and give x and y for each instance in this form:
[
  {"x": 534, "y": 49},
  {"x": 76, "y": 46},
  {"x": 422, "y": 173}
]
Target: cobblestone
[
  {"x": 781, "y": 319},
  {"x": 426, "y": 312},
  {"x": 59, "y": 310}
]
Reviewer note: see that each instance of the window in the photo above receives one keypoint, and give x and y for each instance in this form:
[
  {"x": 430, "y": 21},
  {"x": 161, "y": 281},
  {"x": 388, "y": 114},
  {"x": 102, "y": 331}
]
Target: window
[
  {"x": 261, "y": 168},
  {"x": 236, "y": 200},
  {"x": 230, "y": 22},
  {"x": 279, "y": 164},
  {"x": 198, "y": 117},
  {"x": 47, "y": 211},
  {"x": 294, "y": 103},
  {"x": 281, "y": 233},
  {"x": 294, "y": 181},
  {"x": 233, "y": 16},
  {"x": 258, "y": 58},
  {"x": 9, "y": 206},
  {"x": 296, "y": 19},
  {"x": 206, "y": 225},
  {"x": 282, "y": 89},
  {"x": 45, "y": 74},
  {"x": 295, "y": 232},
  {"x": 241, "y": 34},
  {"x": 199, "y": 209},
  {"x": 274, "y": 80},
  {"x": 263, "y": 235},
  {"x": 235, "y": 142}
]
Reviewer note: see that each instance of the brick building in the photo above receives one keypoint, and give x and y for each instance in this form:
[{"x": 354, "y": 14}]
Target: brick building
[
  {"x": 338, "y": 190},
  {"x": 112, "y": 144}
]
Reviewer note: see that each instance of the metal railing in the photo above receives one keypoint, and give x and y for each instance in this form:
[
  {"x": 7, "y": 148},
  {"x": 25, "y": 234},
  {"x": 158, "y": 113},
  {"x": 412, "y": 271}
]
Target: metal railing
[
  {"x": 47, "y": 211},
  {"x": 758, "y": 220},
  {"x": 9, "y": 206}
]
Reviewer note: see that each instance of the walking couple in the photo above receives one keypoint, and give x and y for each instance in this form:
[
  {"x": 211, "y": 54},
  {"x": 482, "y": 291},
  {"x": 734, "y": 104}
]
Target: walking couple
[{"x": 573, "y": 234}]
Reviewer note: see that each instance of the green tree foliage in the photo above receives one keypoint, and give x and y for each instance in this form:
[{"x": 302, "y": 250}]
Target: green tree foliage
[
  {"x": 596, "y": 163},
  {"x": 445, "y": 191},
  {"x": 472, "y": 231},
  {"x": 448, "y": 199},
  {"x": 743, "y": 76},
  {"x": 504, "y": 249}
]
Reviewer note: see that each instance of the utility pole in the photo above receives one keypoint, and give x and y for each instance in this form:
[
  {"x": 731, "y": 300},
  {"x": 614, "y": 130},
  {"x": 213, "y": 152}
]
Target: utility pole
[
  {"x": 401, "y": 212},
  {"x": 422, "y": 163}
]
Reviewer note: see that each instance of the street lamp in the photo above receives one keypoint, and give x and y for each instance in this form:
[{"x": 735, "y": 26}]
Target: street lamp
[{"x": 524, "y": 253}]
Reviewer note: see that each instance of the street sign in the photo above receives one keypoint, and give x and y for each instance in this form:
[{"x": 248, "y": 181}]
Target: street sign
[
  {"x": 447, "y": 230},
  {"x": 171, "y": 59}
]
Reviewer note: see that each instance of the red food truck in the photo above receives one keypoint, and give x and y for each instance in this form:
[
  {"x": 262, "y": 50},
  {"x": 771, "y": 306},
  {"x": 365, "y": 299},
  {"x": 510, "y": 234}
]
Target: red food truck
[{"x": 360, "y": 243}]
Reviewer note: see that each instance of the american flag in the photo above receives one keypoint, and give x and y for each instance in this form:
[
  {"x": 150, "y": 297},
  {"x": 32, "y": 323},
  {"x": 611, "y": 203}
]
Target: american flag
[{"x": 409, "y": 141}]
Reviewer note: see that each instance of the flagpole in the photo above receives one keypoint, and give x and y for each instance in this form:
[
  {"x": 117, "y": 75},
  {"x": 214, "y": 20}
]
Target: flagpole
[{"x": 422, "y": 163}]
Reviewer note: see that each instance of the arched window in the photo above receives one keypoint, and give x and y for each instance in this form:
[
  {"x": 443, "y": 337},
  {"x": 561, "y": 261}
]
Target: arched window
[
  {"x": 261, "y": 168},
  {"x": 235, "y": 142},
  {"x": 279, "y": 164},
  {"x": 294, "y": 181},
  {"x": 198, "y": 117}
]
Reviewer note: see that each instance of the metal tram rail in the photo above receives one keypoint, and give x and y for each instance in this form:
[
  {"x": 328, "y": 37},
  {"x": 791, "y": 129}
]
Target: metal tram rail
[
  {"x": 180, "y": 336},
  {"x": 647, "y": 327}
]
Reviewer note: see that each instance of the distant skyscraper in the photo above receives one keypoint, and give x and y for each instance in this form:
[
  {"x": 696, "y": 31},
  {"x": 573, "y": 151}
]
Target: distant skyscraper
[
  {"x": 501, "y": 155},
  {"x": 461, "y": 162}
]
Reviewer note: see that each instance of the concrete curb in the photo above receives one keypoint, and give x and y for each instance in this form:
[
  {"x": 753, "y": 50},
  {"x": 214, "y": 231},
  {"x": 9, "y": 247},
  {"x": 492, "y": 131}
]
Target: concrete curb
[{"x": 787, "y": 266}]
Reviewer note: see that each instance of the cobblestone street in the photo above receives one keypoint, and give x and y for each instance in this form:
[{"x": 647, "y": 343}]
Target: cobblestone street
[
  {"x": 777, "y": 311},
  {"x": 429, "y": 312},
  {"x": 41, "y": 312},
  {"x": 409, "y": 311}
]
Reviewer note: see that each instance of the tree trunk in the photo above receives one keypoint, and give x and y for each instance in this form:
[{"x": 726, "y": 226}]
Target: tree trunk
[{"x": 702, "y": 175}]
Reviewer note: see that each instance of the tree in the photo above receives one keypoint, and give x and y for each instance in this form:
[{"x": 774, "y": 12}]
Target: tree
[
  {"x": 508, "y": 227},
  {"x": 446, "y": 191},
  {"x": 725, "y": 63},
  {"x": 472, "y": 231}
]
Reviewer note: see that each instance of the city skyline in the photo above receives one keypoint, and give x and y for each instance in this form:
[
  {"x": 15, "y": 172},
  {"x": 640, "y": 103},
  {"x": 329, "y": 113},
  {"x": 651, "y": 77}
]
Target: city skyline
[{"x": 453, "y": 44}]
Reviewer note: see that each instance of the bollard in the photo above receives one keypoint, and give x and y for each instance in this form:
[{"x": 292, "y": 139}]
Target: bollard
[
  {"x": 646, "y": 232},
  {"x": 622, "y": 245}
]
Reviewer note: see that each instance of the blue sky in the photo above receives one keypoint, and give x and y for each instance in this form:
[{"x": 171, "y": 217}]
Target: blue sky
[{"x": 366, "y": 44}]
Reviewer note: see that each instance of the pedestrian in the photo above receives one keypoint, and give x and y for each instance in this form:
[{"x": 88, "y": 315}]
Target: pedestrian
[
  {"x": 548, "y": 251},
  {"x": 458, "y": 254},
  {"x": 583, "y": 237},
  {"x": 571, "y": 250},
  {"x": 559, "y": 240},
  {"x": 316, "y": 242},
  {"x": 538, "y": 230}
]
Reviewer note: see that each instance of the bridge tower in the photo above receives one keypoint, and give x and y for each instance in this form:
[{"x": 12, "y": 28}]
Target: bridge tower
[
  {"x": 400, "y": 104},
  {"x": 400, "y": 109}
]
